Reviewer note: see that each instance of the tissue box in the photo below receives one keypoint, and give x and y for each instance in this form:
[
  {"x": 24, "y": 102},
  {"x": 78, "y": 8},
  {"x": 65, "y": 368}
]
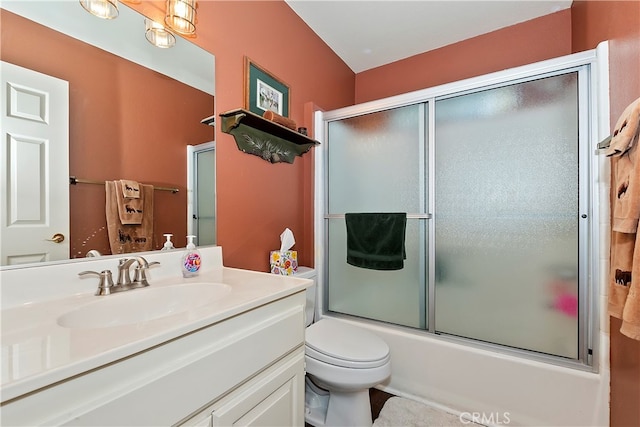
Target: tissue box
[{"x": 284, "y": 262}]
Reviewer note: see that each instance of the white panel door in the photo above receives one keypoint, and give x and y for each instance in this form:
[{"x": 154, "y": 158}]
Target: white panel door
[{"x": 34, "y": 210}]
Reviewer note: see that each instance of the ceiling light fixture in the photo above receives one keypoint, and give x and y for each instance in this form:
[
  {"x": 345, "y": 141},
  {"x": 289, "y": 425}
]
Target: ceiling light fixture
[
  {"x": 105, "y": 9},
  {"x": 158, "y": 35},
  {"x": 181, "y": 16}
]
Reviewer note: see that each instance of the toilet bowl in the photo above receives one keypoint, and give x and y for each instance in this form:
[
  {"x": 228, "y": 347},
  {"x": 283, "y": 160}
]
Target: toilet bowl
[
  {"x": 345, "y": 361},
  {"x": 342, "y": 363}
]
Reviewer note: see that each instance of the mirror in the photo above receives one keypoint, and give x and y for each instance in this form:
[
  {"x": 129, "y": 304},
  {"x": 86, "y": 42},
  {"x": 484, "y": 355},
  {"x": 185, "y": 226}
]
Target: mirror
[{"x": 133, "y": 109}]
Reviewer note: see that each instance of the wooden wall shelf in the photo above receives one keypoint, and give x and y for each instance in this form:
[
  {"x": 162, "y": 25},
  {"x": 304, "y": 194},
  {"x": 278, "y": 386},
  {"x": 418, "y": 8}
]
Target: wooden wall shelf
[{"x": 261, "y": 137}]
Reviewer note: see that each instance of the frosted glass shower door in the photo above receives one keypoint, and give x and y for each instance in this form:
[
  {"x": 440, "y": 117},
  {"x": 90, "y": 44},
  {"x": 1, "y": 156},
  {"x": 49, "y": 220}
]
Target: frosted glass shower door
[
  {"x": 376, "y": 163},
  {"x": 506, "y": 215}
]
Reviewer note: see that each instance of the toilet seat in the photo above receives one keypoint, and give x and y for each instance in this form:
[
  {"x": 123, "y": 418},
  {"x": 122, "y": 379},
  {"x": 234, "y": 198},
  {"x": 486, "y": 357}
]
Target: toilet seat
[{"x": 343, "y": 345}]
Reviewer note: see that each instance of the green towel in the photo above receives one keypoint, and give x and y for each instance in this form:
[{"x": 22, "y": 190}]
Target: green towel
[{"x": 376, "y": 240}]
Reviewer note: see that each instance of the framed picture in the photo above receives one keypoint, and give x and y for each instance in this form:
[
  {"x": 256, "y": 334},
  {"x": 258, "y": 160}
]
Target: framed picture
[{"x": 263, "y": 91}]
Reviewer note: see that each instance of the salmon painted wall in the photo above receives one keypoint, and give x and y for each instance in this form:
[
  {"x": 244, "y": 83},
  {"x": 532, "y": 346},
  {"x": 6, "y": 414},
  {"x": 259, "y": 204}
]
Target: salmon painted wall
[
  {"x": 535, "y": 40},
  {"x": 109, "y": 98},
  {"x": 618, "y": 22},
  {"x": 257, "y": 200}
]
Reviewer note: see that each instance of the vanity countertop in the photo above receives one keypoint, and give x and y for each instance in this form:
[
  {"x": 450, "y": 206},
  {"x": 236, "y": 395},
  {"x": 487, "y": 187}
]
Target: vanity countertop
[{"x": 37, "y": 351}]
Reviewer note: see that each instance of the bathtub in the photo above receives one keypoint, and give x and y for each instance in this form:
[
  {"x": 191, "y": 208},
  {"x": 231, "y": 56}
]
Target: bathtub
[{"x": 490, "y": 387}]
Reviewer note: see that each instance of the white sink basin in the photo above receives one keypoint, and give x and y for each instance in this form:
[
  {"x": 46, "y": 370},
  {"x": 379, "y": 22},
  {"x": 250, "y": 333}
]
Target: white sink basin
[{"x": 141, "y": 305}]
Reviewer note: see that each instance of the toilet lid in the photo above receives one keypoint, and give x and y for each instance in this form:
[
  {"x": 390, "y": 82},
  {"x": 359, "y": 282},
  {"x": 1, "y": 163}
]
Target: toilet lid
[{"x": 341, "y": 344}]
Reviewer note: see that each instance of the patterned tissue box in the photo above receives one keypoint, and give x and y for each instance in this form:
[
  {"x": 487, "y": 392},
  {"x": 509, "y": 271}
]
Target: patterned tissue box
[{"x": 284, "y": 262}]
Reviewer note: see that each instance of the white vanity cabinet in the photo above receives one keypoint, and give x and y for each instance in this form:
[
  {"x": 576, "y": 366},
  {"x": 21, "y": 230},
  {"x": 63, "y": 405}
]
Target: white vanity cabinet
[
  {"x": 245, "y": 370},
  {"x": 270, "y": 399}
]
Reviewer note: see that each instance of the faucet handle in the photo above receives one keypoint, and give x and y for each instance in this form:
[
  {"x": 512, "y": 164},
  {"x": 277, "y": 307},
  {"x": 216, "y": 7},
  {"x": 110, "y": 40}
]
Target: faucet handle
[
  {"x": 106, "y": 281},
  {"x": 140, "y": 273}
]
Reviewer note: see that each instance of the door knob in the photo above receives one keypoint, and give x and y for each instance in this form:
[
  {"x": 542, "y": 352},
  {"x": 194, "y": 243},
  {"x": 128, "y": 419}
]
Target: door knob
[{"x": 57, "y": 238}]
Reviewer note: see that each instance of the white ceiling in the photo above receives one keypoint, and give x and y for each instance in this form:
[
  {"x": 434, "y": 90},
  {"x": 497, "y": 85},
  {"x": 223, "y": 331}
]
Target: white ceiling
[{"x": 370, "y": 33}]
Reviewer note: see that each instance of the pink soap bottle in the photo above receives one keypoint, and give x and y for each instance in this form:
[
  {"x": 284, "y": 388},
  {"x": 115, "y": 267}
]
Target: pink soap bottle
[{"x": 191, "y": 259}]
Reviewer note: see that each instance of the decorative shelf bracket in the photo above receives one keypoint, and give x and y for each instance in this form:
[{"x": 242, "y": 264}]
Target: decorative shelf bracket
[{"x": 264, "y": 138}]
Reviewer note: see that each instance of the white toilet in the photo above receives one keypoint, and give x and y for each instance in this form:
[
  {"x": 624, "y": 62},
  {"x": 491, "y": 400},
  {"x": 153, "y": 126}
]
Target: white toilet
[{"x": 342, "y": 363}]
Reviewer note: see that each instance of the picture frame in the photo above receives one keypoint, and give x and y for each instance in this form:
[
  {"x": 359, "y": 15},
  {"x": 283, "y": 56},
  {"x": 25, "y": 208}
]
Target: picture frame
[{"x": 263, "y": 91}]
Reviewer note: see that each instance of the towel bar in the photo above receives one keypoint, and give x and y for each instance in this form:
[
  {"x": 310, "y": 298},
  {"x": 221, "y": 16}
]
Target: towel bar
[
  {"x": 409, "y": 216},
  {"x": 604, "y": 143},
  {"x": 73, "y": 181}
]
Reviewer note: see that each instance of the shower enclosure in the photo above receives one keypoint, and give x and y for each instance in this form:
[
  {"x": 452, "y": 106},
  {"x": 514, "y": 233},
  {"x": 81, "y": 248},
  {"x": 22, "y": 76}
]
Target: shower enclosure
[{"x": 494, "y": 175}]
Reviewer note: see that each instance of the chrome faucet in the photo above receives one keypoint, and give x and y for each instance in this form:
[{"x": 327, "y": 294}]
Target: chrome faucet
[
  {"x": 124, "y": 283},
  {"x": 124, "y": 278},
  {"x": 140, "y": 272}
]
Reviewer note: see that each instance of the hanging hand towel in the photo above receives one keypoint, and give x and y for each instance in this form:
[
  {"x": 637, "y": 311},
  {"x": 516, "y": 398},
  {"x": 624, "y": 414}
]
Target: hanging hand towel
[
  {"x": 626, "y": 171},
  {"x": 131, "y": 211},
  {"x": 376, "y": 240},
  {"x": 130, "y": 189},
  {"x": 625, "y": 133},
  {"x": 126, "y": 238}
]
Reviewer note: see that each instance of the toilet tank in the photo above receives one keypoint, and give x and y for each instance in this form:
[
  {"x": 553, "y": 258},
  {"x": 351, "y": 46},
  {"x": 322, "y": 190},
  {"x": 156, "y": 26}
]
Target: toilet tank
[{"x": 309, "y": 273}]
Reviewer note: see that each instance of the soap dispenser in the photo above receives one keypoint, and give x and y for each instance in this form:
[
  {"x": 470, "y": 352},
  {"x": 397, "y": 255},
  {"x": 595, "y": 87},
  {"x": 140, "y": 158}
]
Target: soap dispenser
[
  {"x": 191, "y": 259},
  {"x": 168, "y": 245}
]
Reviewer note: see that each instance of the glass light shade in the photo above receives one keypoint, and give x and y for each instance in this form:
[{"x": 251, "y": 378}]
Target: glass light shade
[
  {"x": 157, "y": 35},
  {"x": 105, "y": 9},
  {"x": 181, "y": 16}
]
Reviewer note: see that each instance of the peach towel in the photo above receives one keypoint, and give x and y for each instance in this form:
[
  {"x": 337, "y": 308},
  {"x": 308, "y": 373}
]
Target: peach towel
[
  {"x": 624, "y": 297},
  {"x": 626, "y": 173},
  {"x": 126, "y": 238},
  {"x": 130, "y": 189},
  {"x": 130, "y": 210}
]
